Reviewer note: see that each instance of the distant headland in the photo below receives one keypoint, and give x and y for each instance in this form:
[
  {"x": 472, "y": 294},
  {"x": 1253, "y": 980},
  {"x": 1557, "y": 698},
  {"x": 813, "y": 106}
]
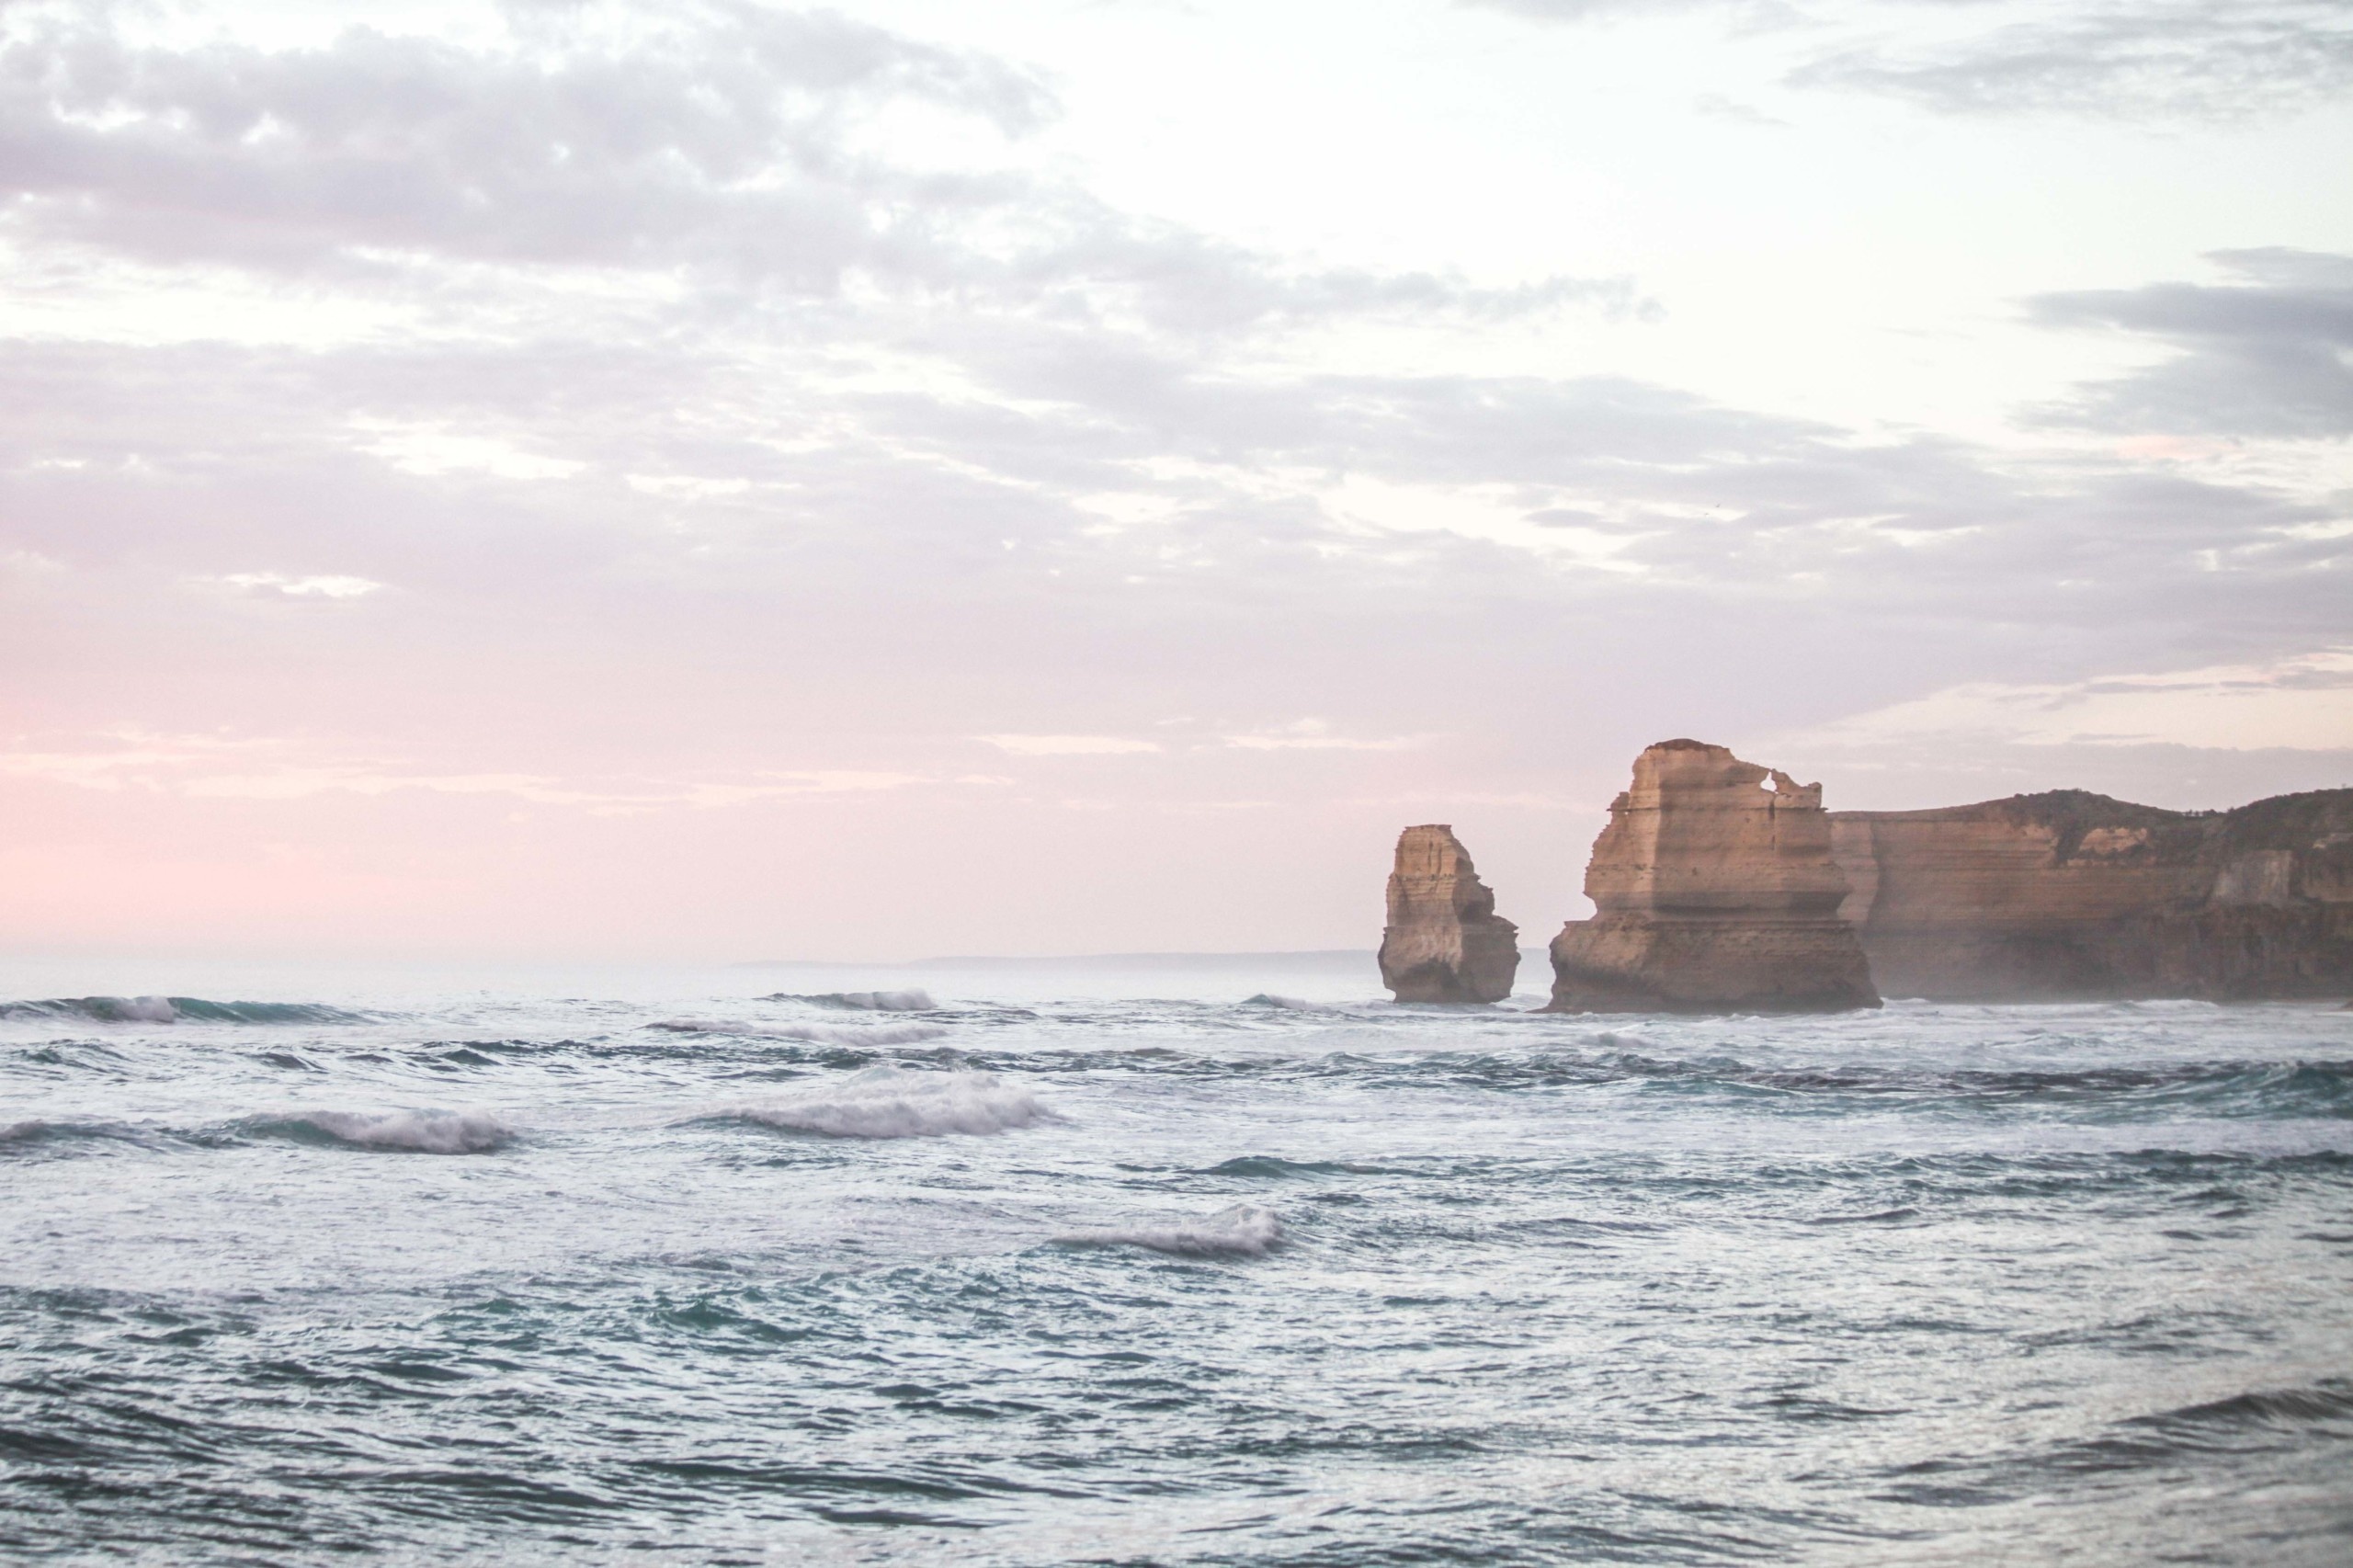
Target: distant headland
[{"x": 1722, "y": 886}]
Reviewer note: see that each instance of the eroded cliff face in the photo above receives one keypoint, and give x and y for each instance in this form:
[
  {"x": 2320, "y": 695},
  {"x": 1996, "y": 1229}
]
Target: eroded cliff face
[
  {"x": 2071, "y": 895},
  {"x": 1716, "y": 891},
  {"x": 1444, "y": 942}
]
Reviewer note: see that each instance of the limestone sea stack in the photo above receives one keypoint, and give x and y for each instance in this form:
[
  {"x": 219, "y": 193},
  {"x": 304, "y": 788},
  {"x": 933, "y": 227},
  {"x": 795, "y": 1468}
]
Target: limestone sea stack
[
  {"x": 1444, "y": 942},
  {"x": 1716, "y": 892}
]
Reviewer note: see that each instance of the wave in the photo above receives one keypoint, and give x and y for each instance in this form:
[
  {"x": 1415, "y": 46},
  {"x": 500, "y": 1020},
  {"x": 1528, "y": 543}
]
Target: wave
[
  {"x": 1244, "y": 1230},
  {"x": 417, "y": 1131},
  {"x": 69, "y": 1053},
  {"x": 33, "y": 1135},
  {"x": 2321, "y": 1088},
  {"x": 173, "y": 1010},
  {"x": 1287, "y": 1003},
  {"x": 2253, "y": 1422},
  {"x": 1274, "y": 1165},
  {"x": 2328, "y": 1403},
  {"x": 897, "y": 1102},
  {"x": 908, "y": 1001},
  {"x": 814, "y": 1034}
]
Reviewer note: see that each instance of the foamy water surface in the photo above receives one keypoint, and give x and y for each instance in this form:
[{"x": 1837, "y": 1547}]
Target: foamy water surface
[{"x": 1205, "y": 1266}]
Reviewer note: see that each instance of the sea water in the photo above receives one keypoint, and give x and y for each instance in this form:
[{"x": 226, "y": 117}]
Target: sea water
[{"x": 1211, "y": 1265}]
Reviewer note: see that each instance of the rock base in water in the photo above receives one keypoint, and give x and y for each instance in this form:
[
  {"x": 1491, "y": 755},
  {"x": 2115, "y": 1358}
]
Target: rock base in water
[
  {"x": 1444, "y": 941},
  {"x": 1643, "y": 964},
  {"x": 1716, "y": 893}
]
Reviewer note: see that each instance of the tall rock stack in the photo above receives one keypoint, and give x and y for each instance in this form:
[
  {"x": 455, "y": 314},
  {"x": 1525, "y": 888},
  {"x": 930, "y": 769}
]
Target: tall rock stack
[
  {"x": 1445, "y": 941},
  {"x": 1716, "y": 892}
]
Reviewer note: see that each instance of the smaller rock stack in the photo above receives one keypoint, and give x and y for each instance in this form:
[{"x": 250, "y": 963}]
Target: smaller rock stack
[
  {"x": 1716, "y": 893},
  {"x": 1444, "y": 942}
]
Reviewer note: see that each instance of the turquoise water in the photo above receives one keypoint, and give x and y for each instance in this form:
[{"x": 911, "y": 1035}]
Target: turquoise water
[{"x": 1198, "y": 1266}]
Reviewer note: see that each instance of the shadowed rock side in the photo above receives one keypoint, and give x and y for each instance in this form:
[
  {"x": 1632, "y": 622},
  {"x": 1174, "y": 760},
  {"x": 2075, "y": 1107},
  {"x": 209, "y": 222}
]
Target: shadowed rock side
[
  {"x": 1716, "y": 892},
  {"x": 2071, "y": 895},
  {"x": 1444, "y": 942}
]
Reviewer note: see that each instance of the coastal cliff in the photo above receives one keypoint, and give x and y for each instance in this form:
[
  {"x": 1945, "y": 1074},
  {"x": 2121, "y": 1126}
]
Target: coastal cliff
[
  {"x": 1444, "y": 942},
  {"x": 1716, "y": 891},
  {"x": 2069, "y": 895}
]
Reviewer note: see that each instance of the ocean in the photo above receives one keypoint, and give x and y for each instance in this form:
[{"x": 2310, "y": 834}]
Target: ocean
[{"x": 1218, "y": 1262}]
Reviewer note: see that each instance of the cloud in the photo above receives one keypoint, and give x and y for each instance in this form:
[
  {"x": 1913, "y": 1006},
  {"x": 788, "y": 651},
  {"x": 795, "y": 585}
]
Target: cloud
[
  {"x": 717, "y": 139},
  {"x": 217, "y": 767},
  {"x": 1315, "y": 734},
  {"x": 429, "y": 448},
  {"x": 694, "y": 497},
  {"x": 2135, "y": 58},
  {"x": 2264, "y": 354},
  {"x": 700, "y": 165},
  {"x": 1597, "y": 10},
  {"x": 2301, "y": 703},
  {"x": 1069, "y": 745},
  {"x": 2109, "y": 58},
  {"x": 878, "y": 530},
  {"x": 279, "y": 584},
  {"x": 1716, "y": 105}
]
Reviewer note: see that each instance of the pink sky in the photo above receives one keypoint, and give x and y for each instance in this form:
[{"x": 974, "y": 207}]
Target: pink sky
[{"x": 726, "y": 484}]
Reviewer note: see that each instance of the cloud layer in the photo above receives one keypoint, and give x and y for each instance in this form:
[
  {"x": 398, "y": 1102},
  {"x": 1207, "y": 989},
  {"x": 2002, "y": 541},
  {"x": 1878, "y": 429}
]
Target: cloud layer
[
  {"x": 2262, "y": 355},
  {"x": 632, "y": 475}
]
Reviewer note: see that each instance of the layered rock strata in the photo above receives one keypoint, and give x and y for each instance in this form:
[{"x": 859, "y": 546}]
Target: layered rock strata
[
  {"x": 2071, "y": 895},
  {"x": 1444, "y": 942},
  {"x": 1716, "y": 892}
]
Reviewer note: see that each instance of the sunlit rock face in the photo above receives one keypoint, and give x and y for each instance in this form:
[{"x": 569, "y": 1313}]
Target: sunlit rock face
[
  {"x": 2072, "y": 895},
  {"x": 1444, "y": 942},
  {"x": 1716, "y": 891}
]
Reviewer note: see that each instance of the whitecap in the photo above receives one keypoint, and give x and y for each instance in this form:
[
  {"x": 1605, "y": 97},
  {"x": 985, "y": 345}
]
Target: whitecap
[
  {"x": 895, "y": 1102},
  {"x": 425, "y": 1131},
  {"x": 815, "y": 1034},
  {"x": 907, "y": 1001},
  {"x": 1243, "y": 1230},
  {"x": 176, "y": 1009},
  {"x": 1287, "y": 1003},
  {"x": 96, "y": 1009}
]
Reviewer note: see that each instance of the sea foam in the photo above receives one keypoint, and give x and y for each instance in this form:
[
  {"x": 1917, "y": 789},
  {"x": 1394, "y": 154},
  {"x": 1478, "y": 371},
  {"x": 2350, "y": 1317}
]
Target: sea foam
[
  {"x": 815, "y": 1034},
  {"x": 1244, "y": 1230},
  {"x": 895, "y": 1102},
  {"x": 421, "y": 1131},
  {"x": 1287, "y": 1003}
]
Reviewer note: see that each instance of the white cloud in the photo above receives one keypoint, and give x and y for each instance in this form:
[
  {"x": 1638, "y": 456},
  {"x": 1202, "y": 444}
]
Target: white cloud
[
  {"x": 686, "y": 487},
  {"x": 2304, "y": 703},
  {"x": 432, "y": 449},
  {"x": 326, "y": 586},
  {"x": 1315, "y": 734},
  {"x": 1068, "y": 746},
  {"x": 216, "y": 767}
]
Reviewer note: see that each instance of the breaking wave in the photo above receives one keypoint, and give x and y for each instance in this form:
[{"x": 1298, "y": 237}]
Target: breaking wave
[
  {"x": 908, "y": 1001},
  {"x": 1244, "y": 1230},
  {"x": 175, "y": 1009},
  {"x": 417, "y": 1131},
  {"x": 896, "y": 1102},
  {"x": 815, "y": 1034},
  {"x": 1287, "y": 1003},
  {"x": 35, "y": 1135}
]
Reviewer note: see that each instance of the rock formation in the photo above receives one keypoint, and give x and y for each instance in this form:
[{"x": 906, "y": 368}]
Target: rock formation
[
  {"x": 1445, "y": 941},
  {"x": 1716, "y": 892},
  {"x": 2074, "y": 896}
]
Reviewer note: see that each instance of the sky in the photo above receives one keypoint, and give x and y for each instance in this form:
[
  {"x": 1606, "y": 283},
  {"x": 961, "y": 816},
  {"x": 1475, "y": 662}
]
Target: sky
[{"x": 726, "y": 482}]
